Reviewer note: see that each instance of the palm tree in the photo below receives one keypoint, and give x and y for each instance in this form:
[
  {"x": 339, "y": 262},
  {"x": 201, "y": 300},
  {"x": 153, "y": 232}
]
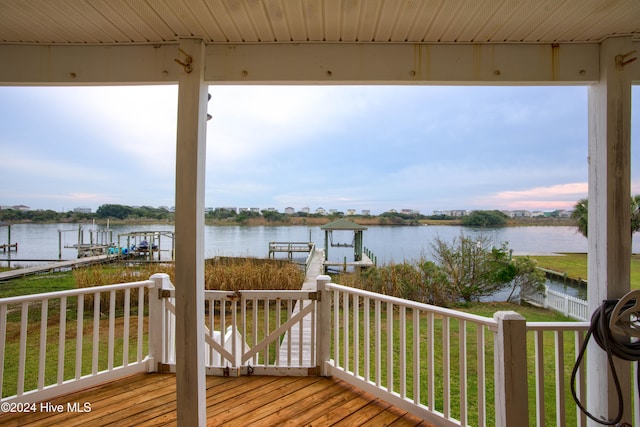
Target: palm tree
[{"x": 581, "y": 215}]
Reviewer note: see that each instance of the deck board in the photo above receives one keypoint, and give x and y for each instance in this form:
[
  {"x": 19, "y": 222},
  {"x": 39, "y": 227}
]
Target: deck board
[{"x": 149, "y": 400}]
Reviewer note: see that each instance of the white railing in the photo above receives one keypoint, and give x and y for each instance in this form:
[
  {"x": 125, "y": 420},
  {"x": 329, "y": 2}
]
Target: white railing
[
  {"x": 448, "y": 367},
  {"x": 555, "y": 349},
  {"x": 77, "y": 338},
  {"x": 433, "y": 362},
  {"x": 568, "y": 305},
  {"x": 253, "y": 332}
]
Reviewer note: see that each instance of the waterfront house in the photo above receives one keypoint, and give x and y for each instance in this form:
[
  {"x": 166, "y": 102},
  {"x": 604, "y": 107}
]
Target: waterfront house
[{"x": 194, "y": 43}]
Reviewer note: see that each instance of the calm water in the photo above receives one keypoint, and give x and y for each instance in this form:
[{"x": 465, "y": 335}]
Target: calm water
[{"x": 388, "y": 243}]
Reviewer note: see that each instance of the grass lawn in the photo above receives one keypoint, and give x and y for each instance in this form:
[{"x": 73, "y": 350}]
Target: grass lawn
[
  {"x": 575, "y": 266},
  {"x": 37, "y": 284}
]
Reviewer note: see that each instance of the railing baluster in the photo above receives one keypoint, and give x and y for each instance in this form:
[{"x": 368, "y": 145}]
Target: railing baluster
[
  {"x": 301, "y": 329},
  {"x": 266, "y": 330},
  {"x": 42, "y": 358},
  {"x": 446, "y": 362},
  {"x": 367, "y": 339},
  {"x": 378, "y": 351},
  {"x": 62, "y": 338},
  {"x": 431, "y": 362},
  {"x": 345, "y": 331},
  {"x": 482, "y": 388},
  {"x": 403, "y": 351},
  {"x": 559, "y": 353},
  {"x": 389, "y": 346},
  {"x": 580, "y": 384},
  {"x": 462, "y": 357},
  {"x": 112, "y": 330},
  {"x": 96, "y": 332},
  {"x": 125, "y": 332},
  {"x": 254, "y": 308},
  {"x": 141, "y": 327},
  {"x": 289, "y": 337},
  {"x": 539, "y": 372},
  {"x": 3, "y": 343},
  {"x": 336, "y": 328},
  {"x": 234, "y": 334},
  {"x": 416, "y": 356},
  {"x": 356, "y": 335},
  {"x": 312, "y": 344},
  {"x": 212, "y": 328},
  {"x": 23, "y": 346},
  {"x": 278, "y": 323},
  {"x": 79, "y": 334}
]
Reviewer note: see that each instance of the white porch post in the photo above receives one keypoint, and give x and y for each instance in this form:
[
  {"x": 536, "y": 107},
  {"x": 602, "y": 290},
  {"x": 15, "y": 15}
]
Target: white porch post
[
  {"x": 609, "y": 213},
  {"x": 189, "y": 276},
  {"x": 510, "y": 369}
]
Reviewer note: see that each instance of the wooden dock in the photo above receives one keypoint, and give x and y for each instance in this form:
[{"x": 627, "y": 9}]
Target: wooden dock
[
  {"x": 9, "y": 247},
  {"x": 289, "y": 248},
  {"x": 365, "y": 262},
  {"x": 56, "y": 266},
  {"x": 314, "y": 269}
]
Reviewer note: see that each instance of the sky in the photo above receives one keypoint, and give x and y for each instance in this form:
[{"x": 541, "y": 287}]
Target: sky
[{"x": 378, "y": 148}]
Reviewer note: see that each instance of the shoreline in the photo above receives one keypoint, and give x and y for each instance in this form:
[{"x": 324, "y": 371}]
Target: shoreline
[{"x": 317, "y": 221}]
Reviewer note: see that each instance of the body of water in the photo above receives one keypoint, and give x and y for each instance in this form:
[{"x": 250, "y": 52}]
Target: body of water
[{"x": 388, "y": 243}]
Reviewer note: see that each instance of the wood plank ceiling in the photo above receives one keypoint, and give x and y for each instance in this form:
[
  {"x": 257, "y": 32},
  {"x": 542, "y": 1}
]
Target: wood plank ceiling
[{"x": 300, "y": 21}]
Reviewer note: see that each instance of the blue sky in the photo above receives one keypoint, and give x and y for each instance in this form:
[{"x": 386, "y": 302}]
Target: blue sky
[{"x": 337, "y": 147}]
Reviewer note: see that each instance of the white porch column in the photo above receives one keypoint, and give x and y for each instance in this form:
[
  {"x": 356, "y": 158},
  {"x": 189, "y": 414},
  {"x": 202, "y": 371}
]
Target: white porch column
[
  {"x": 189, "y": 275},
  {"x": 609, "y": 213}
]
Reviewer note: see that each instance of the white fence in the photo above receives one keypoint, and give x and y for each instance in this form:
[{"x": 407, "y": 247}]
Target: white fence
[
  {"x": 77, "y": 338},
  {"x": 448, "y": 367},
  {"x": 568, "y": 305}
]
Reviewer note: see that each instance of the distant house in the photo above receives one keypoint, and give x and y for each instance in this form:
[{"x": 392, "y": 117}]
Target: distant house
[
  {"x": 17, "y": 208},
  {"x": 83, "y": 210},
  {"x": 351, "y": 211},
  {"x": 366, "y": 212},
  {"x": 410, "y": 212},
  {"x": 521, "y": 214},
  {"x": 227, "y": 209},
  {"x": 289, "y": 210},
  {"x": 305, "y": 210},
  {"x": 321, "y": 211}
]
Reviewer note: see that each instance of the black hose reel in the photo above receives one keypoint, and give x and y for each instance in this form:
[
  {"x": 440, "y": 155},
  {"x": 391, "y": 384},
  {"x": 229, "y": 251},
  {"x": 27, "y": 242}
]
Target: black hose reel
[{"x": 615, "y": 326}]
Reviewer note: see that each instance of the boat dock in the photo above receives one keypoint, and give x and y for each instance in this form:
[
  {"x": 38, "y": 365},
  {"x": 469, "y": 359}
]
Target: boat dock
[
  {"x": 57, "y": 266},
  {"x": 9, "y": 247},
  {"x": 289, "y": 248},
  {"x": 313, "y": 270}
]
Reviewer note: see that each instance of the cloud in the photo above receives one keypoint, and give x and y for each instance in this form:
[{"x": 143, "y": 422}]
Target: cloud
[
  {"x": 561, "y": 196},
  {"x": 342, "y": 147}
]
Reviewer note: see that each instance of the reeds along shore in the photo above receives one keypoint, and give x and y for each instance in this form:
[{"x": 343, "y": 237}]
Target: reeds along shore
[{"x": 226, "y": 274}]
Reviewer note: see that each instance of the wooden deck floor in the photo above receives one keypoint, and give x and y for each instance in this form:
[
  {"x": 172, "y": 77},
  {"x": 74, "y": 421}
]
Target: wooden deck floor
[{"x": 149, "y": 400}]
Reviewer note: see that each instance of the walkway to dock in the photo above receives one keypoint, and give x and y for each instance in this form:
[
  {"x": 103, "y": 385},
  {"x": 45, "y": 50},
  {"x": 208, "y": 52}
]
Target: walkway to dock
[
  {"x": 21, "y": 272},
  {"x": 314, "y": 269}
]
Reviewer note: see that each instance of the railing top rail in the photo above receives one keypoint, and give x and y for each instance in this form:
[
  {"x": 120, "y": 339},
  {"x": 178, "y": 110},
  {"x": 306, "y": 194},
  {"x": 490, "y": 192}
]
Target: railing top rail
[
  {"x": 76, "y": 292},
  {"x": 486, "y": 321},
  {"x": 557, "y": 326},
  {"x": 293, "y": 243},
  {"x": 258, "y": 294}
]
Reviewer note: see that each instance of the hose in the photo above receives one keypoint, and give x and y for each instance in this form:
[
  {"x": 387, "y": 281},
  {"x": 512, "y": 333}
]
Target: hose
[{"x": 614, "y": 345}]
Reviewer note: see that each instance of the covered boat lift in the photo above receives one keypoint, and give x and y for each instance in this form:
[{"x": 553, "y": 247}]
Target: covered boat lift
[{"x": 195, "y": 43}]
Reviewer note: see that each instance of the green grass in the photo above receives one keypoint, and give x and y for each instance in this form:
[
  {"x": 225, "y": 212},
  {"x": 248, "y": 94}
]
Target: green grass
[
  {"x": 454, "y": 338},
  {"x": 574, "y": 265},
  {"x": 39, "y": 283}
]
